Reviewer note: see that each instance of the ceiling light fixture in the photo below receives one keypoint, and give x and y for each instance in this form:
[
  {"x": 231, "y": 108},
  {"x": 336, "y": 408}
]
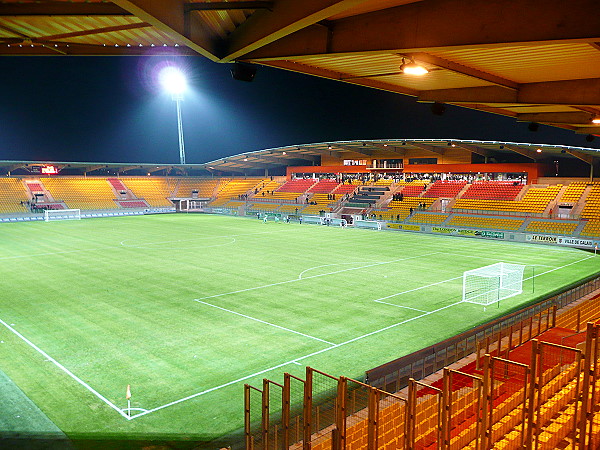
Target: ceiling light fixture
[
  {"x": 596, "y": 120},
  {"x": 409, "y": 67}
]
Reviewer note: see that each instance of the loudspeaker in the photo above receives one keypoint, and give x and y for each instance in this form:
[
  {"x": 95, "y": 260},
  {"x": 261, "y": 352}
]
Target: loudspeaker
[
  {"x": 590, "y": 137},
  {"x": 243, "y": 72}
]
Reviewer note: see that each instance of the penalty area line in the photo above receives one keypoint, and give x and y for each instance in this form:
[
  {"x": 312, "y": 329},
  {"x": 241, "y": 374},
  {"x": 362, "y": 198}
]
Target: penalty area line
[
  {"x": 64, "y": 369},
  {"x": 291, "y": 361},
  {"x": 264, "y": 322}
]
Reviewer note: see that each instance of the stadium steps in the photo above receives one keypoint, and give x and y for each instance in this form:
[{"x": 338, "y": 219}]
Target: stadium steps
[
  {"x": 37, "y": 187},
  {"x": 578, "y": 207}
]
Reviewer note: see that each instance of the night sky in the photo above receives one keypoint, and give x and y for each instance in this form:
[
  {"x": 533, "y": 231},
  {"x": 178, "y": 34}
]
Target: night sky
[{"x": 110, "y": 109}]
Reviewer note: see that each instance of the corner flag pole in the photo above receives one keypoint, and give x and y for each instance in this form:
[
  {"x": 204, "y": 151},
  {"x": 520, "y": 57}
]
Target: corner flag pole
[{"x": 128, "y": 397}]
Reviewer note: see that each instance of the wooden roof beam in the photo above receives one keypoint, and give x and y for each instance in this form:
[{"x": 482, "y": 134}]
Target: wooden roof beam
[
  {"x": 565, "y": 92},
  {"x": 442, "y": 24},
  {"x": 531, "y": 154},
  {"x": 582, "y": 156},
  {"x": 430, "y": 148},
  {"x": 286, "y": 17},
  {"x": 228, "y": 6},
  {"x": 571, "y": 117},
  {"x": 58, "y": 37},
  {"x": 324, "y": 73},
  {"x": 474, "y": 149},
  {"x": 463, "y": 70},
  {"x": 62, "y": 8},
  {"x": 169, "y": 17},
  {"x": 359, "y": 150}
]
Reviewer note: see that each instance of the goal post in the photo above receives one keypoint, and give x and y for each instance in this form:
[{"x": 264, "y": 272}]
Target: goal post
[
  {"x": 490, "y": 284},
  {"x": 62, "y": 214}
]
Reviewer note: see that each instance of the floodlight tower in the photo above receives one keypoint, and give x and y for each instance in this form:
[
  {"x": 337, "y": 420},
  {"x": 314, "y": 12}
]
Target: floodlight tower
[{"x": 173, "y": 81}]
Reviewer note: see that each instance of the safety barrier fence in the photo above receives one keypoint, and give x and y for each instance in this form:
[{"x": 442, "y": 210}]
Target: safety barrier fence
[
  {"x": 549, "y": 403},
  {"x": 501, "y": 404}
]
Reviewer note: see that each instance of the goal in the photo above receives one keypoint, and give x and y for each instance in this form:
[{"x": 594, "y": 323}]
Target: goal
[
  {"x": 490, "y": 284},
  {"x": 62, "y": 214}
]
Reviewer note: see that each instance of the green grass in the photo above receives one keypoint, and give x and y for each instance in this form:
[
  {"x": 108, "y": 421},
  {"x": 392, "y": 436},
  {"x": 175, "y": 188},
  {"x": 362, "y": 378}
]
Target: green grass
[{"x": 152, "y": 301}]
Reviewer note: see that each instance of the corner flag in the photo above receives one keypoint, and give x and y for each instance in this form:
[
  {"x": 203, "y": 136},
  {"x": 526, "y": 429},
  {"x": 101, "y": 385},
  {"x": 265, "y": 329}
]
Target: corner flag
[{"x": 128, "y": 393}]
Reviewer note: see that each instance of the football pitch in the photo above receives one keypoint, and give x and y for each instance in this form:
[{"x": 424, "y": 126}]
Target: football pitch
[{"x": 187, "y": 308}]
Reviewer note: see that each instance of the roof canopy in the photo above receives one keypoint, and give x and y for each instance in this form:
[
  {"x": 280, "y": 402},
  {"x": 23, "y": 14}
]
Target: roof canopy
[
  {"x": 312, "y": 154},
  {"x": 537, "y": 61}
]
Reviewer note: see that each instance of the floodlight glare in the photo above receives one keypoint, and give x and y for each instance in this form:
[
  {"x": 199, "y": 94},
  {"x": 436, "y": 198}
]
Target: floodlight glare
[{"x": 173, "y": 80}]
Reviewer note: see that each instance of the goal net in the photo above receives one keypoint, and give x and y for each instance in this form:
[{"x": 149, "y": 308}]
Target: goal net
[
  {"x": 62, "y": 214},
  {"x": 492, "y": 283}
]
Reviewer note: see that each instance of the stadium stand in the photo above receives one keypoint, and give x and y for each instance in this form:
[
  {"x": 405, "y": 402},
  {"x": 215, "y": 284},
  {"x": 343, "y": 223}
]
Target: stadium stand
[
  {"x": 447, "y": 189},
  {"x": 117, "y": 184},
  {"x": 534, "y": 201},
  {"x": 12, "y": 193},
  {"x": 267, "y": 187},
  {"x": 205, "y": 187},
  {"x": 591, "y": 209},
  {"x": 324, "y": 187},
  {"x": 236, "y": 187},
  {"x": 299, "y": 185},
  {"x": 413, "y": 188},
  {"x": 493, "y": 190},
  {"x": 400, "y": 210},
  {"x": 344, "y": 189},
  {"x": 574, "y": 192},
  {"x": 591, "y": 229},
  {"x": 80, "y": 192},
  {"x": 322, "y": 204},
  {"x": 494, "y": 223},
  {"x": 155, "y": 190},
  {"x": 384, "y": 182},
  {"x": 553, "y": 227}
]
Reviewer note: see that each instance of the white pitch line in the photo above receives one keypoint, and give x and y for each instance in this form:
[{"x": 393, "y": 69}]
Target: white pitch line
[
  {"x": 416, "y": 289},
  {"x": 399, "y": 306},
  {"x": 557, "y": 268},
  {"x": 295, "y": 280},
  {"x": 64, "y": 369},
  {"x": 264, "y": 322},
  {"x": 329, "y": 265},
  {"x": 292, "y": 361}
]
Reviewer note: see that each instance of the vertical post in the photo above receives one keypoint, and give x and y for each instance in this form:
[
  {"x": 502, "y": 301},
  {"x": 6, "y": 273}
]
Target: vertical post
[
  {"x": 554, "y": 308},
  {"x": 308, "y": 386},
  {"x": 265, "y": 413},
  {"x": 410, "y": 414},
  {"x": 340, "y": 413},
  {"x": 586, "y": 414},
  {"x": 373, "y": 412},
  {"x": 533, "y": 388},
  {"x": 487, "y": 403},
  {"x": 578, "y": 320},
  {"x": 446, "y": 409},
  {"x": 178, "y": 99},
  {"x": 285, "y": 410},
  {"x": 247, "y": 432}
]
